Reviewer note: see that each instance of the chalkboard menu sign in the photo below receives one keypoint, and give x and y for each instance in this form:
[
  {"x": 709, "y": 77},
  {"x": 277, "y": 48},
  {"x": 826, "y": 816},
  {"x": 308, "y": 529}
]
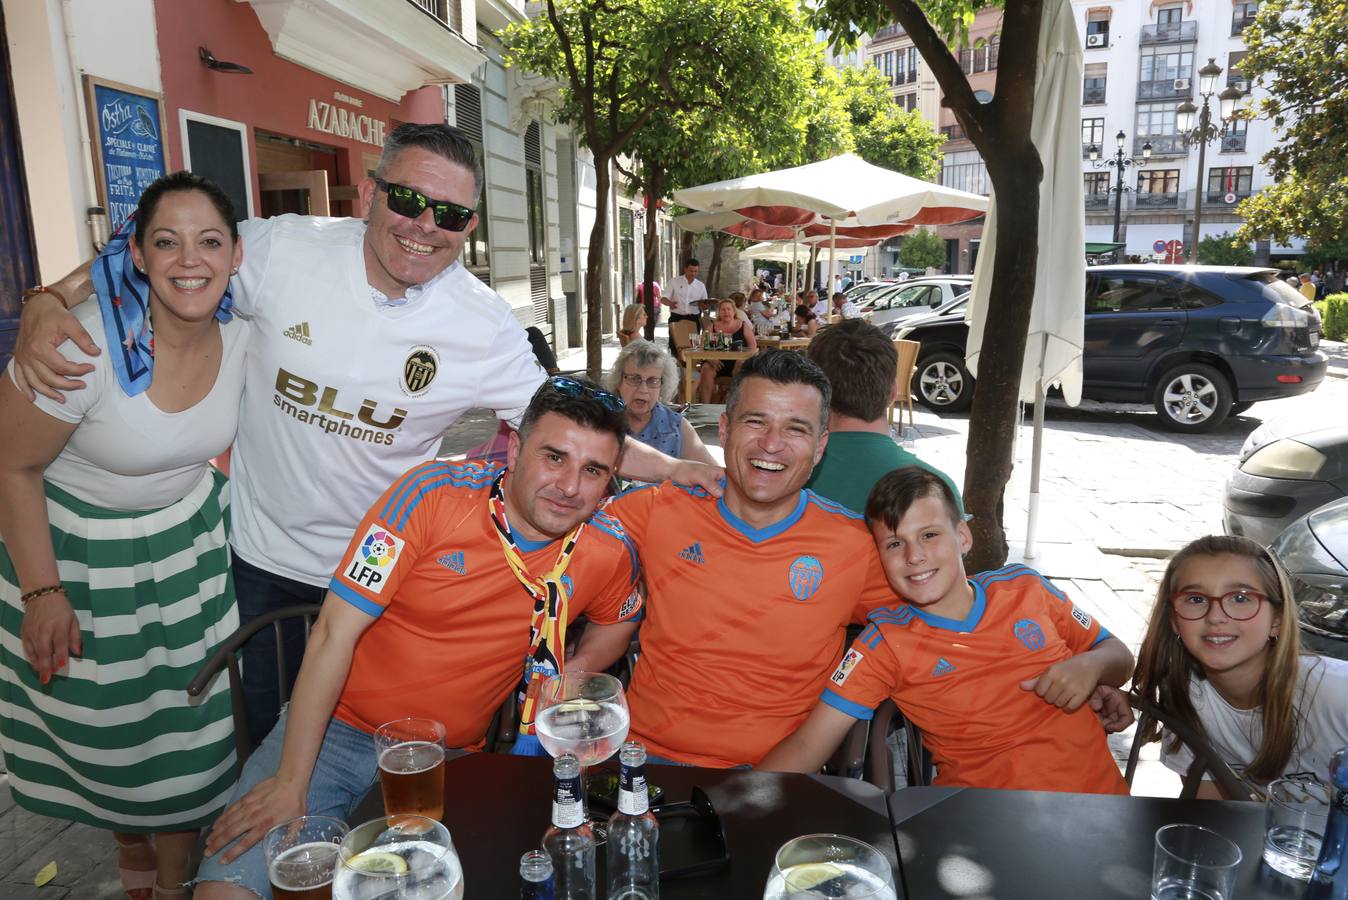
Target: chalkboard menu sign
[{"x": 127, "y": 127}]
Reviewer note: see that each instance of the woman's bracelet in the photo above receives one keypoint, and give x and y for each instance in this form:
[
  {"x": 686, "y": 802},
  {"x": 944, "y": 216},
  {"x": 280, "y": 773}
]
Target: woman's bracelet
[{"x": 42, "y": 592}]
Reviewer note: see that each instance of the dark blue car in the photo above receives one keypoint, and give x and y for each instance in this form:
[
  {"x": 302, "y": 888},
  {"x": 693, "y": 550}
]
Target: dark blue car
[{"x": 1197, "y": 342}]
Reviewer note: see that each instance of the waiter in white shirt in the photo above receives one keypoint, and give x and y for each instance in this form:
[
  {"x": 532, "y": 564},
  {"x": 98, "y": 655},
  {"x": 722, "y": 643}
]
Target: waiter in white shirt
[{"x": 682, "y": 300}]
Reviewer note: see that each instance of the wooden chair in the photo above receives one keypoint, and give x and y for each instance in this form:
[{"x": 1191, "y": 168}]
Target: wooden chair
[
  {"x": 682, "y": 332},
  {"x": 226, "y": 656},
  {"x": 903, "y": 380}
]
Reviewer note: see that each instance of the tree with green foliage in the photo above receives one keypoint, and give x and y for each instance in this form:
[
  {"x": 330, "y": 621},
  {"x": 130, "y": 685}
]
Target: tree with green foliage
[
  {"x": 680, "y": 148},
  {"x": 1224, "y": 250},
  {"x": 884, "y": 134},
  {"x": 922, "y": 249},
  {"x": 1000, "y": 130},
  {"x": 1298, "y": 53},
  {"x": 620, "y": 63}
]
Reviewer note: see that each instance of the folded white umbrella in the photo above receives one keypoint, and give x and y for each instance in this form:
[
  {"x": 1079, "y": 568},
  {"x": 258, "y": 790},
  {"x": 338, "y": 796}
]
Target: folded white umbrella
[{"x": 1057, "y": 318}]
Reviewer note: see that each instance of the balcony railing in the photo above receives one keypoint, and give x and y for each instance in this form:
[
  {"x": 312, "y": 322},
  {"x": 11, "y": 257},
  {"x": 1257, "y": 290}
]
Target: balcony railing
[
  {"x": 1169, "y": 33},
  {"x": 446, "y": 12},
  {"x": 1150, "y": 200},
  {"x": 1098, "y": 201},
  {"x": 1161, "y": 145},
  {"x": 1218, "y": 198},
  {"x": 1165, "y": 89},
  {"x": 1233, "y": 143},
  {"x": 1238, "y": 26},
  {"x": 1092, "y": 96},
  {"x": 887, "y": 31}
]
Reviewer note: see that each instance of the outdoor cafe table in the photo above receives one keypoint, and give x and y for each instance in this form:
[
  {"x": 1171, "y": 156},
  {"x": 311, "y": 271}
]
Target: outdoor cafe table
[
  {"x": 1008, "y": 845},
  {"x": 693, "y": 358},
  {"x": 775, "y": 343},
  {"x": 498, "y": 806}
]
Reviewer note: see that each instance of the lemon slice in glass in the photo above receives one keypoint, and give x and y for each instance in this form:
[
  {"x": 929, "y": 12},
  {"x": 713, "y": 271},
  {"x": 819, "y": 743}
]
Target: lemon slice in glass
[
  {"x": 379, "y": 863},
  {"x": 810, "y": 875}
]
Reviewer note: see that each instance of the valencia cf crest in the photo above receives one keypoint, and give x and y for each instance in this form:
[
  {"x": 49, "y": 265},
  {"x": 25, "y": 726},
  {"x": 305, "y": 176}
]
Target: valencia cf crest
[{"x": 419, "y": 370}]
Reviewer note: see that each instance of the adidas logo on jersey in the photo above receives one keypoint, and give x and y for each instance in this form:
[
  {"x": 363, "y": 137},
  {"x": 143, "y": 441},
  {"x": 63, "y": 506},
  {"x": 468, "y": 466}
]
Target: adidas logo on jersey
[
  {"x": 943, "y": 667},
  {"x": 299, "y": 333},
  {"x": 454, "y": 562},
  {"x": 693, "y": 554}
]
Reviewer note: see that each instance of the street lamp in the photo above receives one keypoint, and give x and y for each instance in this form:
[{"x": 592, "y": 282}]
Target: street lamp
[
  {"x": 1204, "y": 132},
  {"x": 1119, "y": 163}
]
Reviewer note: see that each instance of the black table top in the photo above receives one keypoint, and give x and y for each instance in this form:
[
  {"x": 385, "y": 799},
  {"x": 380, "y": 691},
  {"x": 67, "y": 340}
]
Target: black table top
[
  {"x": 1029, "y": 844},
  {"x": 497, "y": 807}
]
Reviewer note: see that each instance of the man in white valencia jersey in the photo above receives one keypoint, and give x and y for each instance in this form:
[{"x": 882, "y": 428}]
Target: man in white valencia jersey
[{"x": 369, "y": 340}]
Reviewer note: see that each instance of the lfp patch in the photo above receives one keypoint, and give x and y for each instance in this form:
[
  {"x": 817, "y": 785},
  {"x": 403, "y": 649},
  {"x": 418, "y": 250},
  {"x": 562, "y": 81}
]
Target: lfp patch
[
  {"x": 1030, "y": 634},
  {"x": 373, "y": 556},
  {"x": 849, "y": 662},
  {"x": 805, "y": 576}
]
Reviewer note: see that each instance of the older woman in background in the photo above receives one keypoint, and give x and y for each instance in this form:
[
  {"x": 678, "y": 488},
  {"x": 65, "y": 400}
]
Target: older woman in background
[{"x": 645, "y": 377}]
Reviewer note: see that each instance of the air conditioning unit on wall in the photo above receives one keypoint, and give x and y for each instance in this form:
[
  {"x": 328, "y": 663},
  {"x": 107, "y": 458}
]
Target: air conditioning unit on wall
[
  {"x": 1096, "y": 40},
  {"x": 1181, "y": 84}
]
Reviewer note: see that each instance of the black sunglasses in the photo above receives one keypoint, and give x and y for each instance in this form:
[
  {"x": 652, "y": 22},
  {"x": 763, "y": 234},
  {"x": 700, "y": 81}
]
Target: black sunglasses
[
  {"x": 411, "y": 203},
  {"x": 573, "y": 388}
]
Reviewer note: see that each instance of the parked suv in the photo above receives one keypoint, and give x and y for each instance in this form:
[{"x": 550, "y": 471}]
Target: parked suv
[{"x": 1197, "y": 342}]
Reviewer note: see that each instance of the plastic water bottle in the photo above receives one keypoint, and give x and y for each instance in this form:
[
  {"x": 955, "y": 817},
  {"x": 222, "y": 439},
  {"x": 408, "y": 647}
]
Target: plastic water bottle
[
  {"x": 570, "y": 841},
  {"x": 633, "y": 833},
  {"x": 536, "y": 876},
  {"x": 1329, "y": 881}
]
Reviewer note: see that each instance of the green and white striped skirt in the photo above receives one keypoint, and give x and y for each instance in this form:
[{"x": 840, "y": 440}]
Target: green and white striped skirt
[{"x": 115, "y": 742}]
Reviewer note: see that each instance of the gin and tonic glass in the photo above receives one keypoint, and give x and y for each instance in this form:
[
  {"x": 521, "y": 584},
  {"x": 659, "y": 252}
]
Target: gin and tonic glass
[
  {"x": 398, "y": 857},
  {"x": 585, "y": 714}
]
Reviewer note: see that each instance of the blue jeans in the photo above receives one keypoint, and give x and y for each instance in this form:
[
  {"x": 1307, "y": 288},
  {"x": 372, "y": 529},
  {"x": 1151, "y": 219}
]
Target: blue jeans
[
  {"x": 260, "y": 592},
  {"x": 345, "y": 771}
]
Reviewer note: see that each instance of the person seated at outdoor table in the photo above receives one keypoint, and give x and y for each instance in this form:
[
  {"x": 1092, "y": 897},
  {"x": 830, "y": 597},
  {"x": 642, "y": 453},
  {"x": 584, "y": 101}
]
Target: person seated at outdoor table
[
  {"x": 646, "y": 377},
  {"x": 844, "y": 307},
  {"x": 634, "y": 320},
  {"x": 806, "y": 324},
  {"x": 996, "y": 670},
  {"x": 1222, "y": 653},
  {"x": 446, "y": 633},
  {"x": 739, "y": 335},
  {"x": 749, "y": 596},
  {"x": 860, "y": 363},
  {"x": 738, "y": 298},
  {"x": 757, "y": 309},
  {"x": 817, "y": 304}
]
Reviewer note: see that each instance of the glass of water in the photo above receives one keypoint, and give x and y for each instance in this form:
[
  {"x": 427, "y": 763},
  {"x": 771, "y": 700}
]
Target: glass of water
[
  {"x": 818, "y": 866},
  {"x": 399, "y": 857},
  {"x": 1295, "y": 826},
  {"x": 1193, "y": 863}
]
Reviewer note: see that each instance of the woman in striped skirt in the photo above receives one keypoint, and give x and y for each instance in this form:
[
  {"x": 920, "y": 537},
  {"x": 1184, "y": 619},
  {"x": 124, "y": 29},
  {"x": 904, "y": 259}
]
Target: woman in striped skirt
[{"x": 114, "y": 567}]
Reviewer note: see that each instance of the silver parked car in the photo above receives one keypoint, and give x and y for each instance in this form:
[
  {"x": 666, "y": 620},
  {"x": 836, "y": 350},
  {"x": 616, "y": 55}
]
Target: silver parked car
[
  {"x": 1314, "y": 550},
  {"x": 915, "y": 297},
  {"x": 1285, "y": 471}
]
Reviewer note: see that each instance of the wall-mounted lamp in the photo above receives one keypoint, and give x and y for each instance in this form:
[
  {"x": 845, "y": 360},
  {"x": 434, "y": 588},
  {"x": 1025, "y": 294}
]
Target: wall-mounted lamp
[{"x": 219, "y": 65}]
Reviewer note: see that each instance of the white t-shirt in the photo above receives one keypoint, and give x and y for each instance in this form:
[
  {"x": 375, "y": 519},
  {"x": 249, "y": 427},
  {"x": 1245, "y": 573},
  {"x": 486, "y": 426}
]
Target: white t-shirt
[
  {"x": 849, "y": 310},
  {"x": 127, "y": 453},
  {"x": 686, "y": 294},
  {"x": 342, "y": 396},
  {"x": 1321, "y": 698}
]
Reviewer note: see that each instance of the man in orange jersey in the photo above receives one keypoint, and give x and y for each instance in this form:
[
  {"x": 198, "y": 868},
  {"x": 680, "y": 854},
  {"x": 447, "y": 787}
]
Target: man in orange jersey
[
  {"x": 749, "y": 596},
  {"x": 445, "y": 589},
  {"x": 995, "y": 670}
]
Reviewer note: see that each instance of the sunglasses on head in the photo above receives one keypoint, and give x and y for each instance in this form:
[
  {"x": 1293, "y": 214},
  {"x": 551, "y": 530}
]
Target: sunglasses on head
[
  {"x": 406, "y": 201},
  {"x": 573, "y": 388}
]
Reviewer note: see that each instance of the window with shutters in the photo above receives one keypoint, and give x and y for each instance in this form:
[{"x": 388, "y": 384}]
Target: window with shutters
[{"x": 468, "y": 119}]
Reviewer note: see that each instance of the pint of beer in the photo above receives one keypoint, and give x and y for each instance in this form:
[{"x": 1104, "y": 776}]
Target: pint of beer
[
  {"x": 302, "y": 857},
  {"x": 412, "y": 766}
]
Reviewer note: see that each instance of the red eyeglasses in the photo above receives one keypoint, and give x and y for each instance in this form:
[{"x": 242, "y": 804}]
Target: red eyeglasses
[{"x": 1238, "y": 605}]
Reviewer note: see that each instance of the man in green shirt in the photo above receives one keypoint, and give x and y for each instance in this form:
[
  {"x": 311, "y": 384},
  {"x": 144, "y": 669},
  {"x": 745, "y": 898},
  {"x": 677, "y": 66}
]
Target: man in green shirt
[{"x": 860, "y": 363}]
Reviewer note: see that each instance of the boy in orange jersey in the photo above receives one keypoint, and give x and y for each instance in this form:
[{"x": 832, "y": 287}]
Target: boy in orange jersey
[
  {"x": 433, "y": 612},
  {"x": 995, "y": 670},
  {"x": 749, "y": 596}
]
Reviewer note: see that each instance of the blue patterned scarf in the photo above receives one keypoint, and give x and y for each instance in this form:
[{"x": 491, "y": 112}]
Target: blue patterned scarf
[{"x": 124, "y": 299}]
